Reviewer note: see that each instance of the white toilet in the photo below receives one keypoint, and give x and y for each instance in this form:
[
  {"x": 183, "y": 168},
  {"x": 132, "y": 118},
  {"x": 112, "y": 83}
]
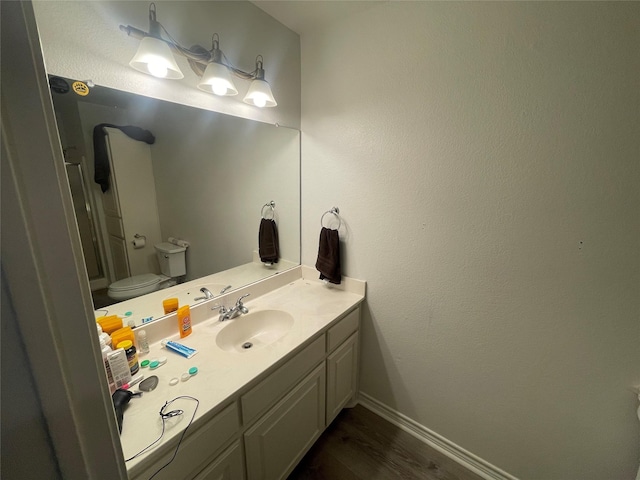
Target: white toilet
[{"x": 172, "y": 265}]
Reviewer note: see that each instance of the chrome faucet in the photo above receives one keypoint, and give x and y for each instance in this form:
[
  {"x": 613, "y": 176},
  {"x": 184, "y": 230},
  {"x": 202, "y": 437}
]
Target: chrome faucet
[
  {"x": 208, "y": 295},
  {"x": 233, "y": 312}
]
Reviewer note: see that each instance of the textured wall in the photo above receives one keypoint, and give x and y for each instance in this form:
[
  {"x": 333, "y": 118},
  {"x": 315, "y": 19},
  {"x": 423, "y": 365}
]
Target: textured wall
[
  {"x": 485, "y": 158},
  {"x": 82, "y": 40}
]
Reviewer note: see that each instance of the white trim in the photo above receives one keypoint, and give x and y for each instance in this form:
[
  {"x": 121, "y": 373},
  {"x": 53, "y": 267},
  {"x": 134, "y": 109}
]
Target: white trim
[
  {"x": 42, "y": 259},
  {"x": 431, "y": 438}
]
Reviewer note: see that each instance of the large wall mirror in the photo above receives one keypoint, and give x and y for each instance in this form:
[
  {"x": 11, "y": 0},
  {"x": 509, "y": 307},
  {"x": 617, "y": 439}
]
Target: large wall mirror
[{"x": 206, "y": 180}]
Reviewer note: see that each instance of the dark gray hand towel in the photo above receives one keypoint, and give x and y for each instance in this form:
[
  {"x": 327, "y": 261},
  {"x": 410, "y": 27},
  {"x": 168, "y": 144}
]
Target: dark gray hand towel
[
  {"x": 268, "y": 248},
  {"x": 328, "y": 263}
]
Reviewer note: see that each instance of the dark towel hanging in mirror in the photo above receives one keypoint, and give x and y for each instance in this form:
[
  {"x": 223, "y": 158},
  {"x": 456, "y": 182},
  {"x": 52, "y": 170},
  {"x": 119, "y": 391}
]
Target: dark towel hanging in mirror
[{"x": 268, "y": 248}]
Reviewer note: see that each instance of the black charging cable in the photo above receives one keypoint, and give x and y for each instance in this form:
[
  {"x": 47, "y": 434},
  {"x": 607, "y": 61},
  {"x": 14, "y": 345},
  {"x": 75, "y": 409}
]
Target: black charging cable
[{"x": 164, "y": 416}]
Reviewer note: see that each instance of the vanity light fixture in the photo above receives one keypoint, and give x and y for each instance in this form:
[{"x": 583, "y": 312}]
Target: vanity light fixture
[
  {"x": 217, "y": 78},
  {"x": 155, "y": 57},
  {"x": 259, "y": 93}
]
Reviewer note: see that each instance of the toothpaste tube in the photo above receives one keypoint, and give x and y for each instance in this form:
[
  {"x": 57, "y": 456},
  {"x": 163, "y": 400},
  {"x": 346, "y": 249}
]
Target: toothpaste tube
[{"x": 179, "y": 348}]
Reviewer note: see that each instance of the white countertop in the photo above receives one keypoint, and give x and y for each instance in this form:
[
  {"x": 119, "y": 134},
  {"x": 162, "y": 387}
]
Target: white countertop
[{"x": 222, "y": 375}]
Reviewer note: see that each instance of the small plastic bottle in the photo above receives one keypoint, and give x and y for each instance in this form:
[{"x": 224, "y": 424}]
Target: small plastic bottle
[
  {"x": 132, "y": 356},
  {"x": 143, "y": 343},
  {"x": 103, "y": 336}
]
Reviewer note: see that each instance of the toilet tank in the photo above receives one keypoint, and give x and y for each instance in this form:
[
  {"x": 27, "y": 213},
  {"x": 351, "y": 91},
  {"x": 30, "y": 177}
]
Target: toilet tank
[{"x": 172, "y": 259}]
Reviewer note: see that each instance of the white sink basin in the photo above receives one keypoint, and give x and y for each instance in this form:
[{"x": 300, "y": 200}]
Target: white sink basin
[
  {"x": 186, "y": 296},
  {"x": 254, "y": 330}
]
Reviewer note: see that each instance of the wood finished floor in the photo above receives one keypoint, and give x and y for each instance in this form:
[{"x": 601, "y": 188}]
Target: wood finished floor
[{"x": 361, "y": 445}]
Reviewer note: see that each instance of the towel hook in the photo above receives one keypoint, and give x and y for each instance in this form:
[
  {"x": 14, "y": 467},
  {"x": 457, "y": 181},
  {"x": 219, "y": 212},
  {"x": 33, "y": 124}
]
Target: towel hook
[
  {"x": 335, "y": 211},
  {"x": 271, "y": 205}
]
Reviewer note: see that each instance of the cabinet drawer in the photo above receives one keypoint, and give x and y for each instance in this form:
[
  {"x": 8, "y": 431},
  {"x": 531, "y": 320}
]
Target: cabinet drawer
[
  {"x": 198, "y": 448},
  {"x": 341, "y": 330},
  {"x": 267, "y": 392},
  {"x": 281, "y": 437}
]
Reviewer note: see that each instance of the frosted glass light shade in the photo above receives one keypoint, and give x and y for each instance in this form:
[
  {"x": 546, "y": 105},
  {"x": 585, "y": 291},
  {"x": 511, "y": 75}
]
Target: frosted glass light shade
[
  {"x": 217, "y": 80},
  {"x": 260, "y": 95},
  {"x": 154, "y": 57}
]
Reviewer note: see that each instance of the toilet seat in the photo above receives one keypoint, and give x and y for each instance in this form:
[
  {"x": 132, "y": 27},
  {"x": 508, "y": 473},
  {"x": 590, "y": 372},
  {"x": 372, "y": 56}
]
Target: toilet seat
[{"x": 134, "y": 286}]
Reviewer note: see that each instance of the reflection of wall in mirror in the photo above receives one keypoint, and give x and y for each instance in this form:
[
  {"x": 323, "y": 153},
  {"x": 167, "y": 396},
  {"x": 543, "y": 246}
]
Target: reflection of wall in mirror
[
  {"x": 96, "y": 49},
  {"x": 213, "y": 173}
]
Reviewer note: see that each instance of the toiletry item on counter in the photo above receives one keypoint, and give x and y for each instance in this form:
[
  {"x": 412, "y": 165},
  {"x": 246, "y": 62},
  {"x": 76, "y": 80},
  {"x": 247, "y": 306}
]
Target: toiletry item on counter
[
  {"x": 149, "y": 384},
  {"x": 157, "y": 362},
  {"x": 119, "y": 367},
  {"x": 103, "y": 337},
  {"x": 110, "y": 324},
  {"x": 120, "y": 400},
  {"x": 183, "y": 350},
  {"x": 106, "y": 350},
  {"x": 143, "y": 343},
  {"x": 184, "y": 321},
  {"x": 122, "y": 334},
  {"x": 170, "y": 305},
  {"x": 132, "y": 355}
]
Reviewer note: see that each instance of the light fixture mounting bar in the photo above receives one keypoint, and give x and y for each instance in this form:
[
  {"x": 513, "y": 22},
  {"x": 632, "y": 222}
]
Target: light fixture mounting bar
[
  {"x": 198, "y": 56},
  {"x": 155, "y": 57}
]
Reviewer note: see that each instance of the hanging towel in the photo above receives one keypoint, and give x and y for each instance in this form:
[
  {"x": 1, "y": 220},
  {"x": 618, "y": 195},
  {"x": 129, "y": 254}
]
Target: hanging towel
[
  {"x": 101, "y": 158},
  {"x": 328, "y": 263},
  {"x": 268, "y": 241}
]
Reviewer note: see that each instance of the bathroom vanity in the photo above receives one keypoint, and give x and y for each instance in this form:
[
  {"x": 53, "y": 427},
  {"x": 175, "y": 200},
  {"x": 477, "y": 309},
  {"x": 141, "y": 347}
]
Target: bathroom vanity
[{"x": 259, "y": 409}]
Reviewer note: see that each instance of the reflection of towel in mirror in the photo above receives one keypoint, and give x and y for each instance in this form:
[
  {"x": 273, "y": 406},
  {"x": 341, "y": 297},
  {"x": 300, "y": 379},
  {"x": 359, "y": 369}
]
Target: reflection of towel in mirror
[
  {"x": 101, "y": 158},
  {"x": 268, "y": 241},
  {"x": 328, "y": 263}
]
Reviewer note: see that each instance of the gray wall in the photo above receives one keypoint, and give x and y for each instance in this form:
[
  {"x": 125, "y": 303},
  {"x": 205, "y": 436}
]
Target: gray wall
[{"x": 485, "y": 157}]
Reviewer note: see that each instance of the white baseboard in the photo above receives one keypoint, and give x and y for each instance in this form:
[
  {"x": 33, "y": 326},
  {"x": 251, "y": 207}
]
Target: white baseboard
[{"x": 431, "y": 438}]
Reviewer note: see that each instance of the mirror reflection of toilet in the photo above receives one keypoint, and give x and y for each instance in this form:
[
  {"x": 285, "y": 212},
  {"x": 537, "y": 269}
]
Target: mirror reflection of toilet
[{"x": 172, "y": 265}]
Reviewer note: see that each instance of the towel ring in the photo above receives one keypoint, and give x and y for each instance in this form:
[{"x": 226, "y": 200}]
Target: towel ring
[
  {"x": 271, "y": 205},
  {"x": 335, "y": 211}
]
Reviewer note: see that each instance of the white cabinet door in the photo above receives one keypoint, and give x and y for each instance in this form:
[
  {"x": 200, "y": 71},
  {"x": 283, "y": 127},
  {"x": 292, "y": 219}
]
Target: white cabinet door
[
  {"x": 277, "y": 442},
  {"x": 119, "y": 256},
  {"x": 228, "y": 466},
  {"x": 342, "y": 370},
  {"x": 133, "y": 198}
]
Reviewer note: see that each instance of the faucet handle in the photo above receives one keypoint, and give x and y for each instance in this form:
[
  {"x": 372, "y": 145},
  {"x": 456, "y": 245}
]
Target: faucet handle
[{"x": 239, "y": 302}]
